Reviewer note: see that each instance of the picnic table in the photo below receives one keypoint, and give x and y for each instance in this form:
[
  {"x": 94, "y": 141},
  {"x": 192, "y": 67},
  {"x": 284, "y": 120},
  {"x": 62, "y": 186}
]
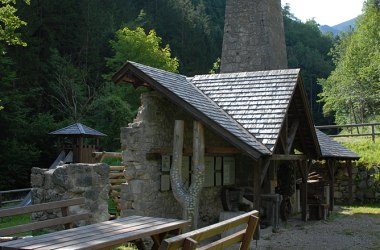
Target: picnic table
[{"x": 102, "y": 235}]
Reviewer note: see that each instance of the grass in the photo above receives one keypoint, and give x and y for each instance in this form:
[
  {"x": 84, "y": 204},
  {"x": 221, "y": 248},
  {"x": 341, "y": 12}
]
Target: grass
[
  {"x": 368, "y": 150},
  {"x": 367, "y": 209}
]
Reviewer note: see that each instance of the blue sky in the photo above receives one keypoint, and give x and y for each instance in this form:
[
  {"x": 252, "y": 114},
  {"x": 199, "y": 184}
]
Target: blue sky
[{"x": 329, "y": 12}]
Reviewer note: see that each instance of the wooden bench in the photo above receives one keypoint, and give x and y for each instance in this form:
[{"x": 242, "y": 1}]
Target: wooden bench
[
  {"x": 190, "y": 240},
  {"x": 66, "y": 220}
]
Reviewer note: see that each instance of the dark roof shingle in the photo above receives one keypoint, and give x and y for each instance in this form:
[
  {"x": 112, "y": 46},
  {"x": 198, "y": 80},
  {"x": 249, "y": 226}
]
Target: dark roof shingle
[{"x": 332, "y": 149}]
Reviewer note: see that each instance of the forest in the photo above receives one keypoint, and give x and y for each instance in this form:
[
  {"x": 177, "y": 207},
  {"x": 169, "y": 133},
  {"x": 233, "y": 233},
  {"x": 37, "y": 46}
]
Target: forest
[{"x": 57, "y": 58}]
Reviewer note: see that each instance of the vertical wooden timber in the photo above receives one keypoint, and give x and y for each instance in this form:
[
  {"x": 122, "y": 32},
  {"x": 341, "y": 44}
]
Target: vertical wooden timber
[
  {"x": 349, "y": 171},
  {"x": 331, "y": 167},
  {"x": 257, "y": 184},
  {"x": 80, "y": 150},
  {"x": 304, "y": 169},
  {"x": 199, "y": 168}
]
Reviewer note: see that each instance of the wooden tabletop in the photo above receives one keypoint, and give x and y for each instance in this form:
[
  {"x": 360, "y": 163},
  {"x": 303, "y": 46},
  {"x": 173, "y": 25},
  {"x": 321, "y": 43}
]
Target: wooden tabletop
[{"x": 102, "y": 235}]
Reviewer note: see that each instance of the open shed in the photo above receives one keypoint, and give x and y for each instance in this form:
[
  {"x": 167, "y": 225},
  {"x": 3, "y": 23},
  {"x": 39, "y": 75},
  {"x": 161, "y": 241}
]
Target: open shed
[
  {"x": 254, "y": 123},
  {"x": 333, "y": 153}
]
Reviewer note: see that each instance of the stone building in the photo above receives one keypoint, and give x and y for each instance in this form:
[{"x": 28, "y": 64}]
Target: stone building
[{"x": 254, "y": 121}]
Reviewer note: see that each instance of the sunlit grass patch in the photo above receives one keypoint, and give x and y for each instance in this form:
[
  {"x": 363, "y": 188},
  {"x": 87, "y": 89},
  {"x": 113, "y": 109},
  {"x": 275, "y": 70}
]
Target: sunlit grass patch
[{"x": 366, "y": 209}]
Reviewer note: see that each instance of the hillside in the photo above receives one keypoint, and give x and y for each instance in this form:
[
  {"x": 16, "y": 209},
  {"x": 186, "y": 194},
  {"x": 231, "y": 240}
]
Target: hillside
[{"x": 336, "y": 29}]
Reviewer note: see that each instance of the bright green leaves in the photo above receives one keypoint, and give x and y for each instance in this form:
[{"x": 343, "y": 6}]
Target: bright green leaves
[
  {"x": 352, "y": 91},
  {"x": 10, "y": 22},
  {"x": 137, "y": 46}
]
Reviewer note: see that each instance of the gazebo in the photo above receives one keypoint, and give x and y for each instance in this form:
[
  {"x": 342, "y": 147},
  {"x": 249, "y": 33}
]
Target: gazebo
[{"x": 79, "y": 139}]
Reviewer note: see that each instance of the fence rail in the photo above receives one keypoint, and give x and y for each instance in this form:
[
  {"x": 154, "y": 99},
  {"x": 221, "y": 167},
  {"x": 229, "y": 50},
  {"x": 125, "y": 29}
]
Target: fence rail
[
  {"x": 352, "y": 134},
  {"x": 22, "y": 190}
]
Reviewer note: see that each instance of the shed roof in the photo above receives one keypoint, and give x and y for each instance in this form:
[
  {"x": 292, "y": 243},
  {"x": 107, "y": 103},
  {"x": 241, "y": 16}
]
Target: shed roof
[
  {"x": 77, "y": 129},
  {"x": 248, "y": 109},
  {"x": 333, "y": 149}
]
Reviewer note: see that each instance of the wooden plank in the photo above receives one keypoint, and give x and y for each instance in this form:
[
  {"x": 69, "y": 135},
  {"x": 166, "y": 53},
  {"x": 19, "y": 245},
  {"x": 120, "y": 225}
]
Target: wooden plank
[
  {"x": 190, "y": 244},
  {"x": 44, "y": 224},
  {"x": 113, "y": 234},
  {"x": 251, "y": 228},
  {"x": 82, "y": 232},
  {"x": 117, "y": 181},
  {"x": 225, "y": 242},
  {"x": 280, "y": 157},
  {"x": 116, "y": 175},
  {"x": 264, "y": 172},
  {"x": 121, "y": 236},
  {"x": 41, "y": 207},
  {"x": 70, "y": 234},
  {"x": 207, "y": 232},
  {"x": 117, "y": 168}
]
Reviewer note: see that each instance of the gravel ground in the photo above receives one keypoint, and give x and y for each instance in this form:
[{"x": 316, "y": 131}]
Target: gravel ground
[{"x": 359, "y": 231}]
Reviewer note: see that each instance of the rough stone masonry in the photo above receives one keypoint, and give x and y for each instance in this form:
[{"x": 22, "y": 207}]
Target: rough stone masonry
[
  {"x": 90, "y": 181},
  {"x": 254, "y": 37}
]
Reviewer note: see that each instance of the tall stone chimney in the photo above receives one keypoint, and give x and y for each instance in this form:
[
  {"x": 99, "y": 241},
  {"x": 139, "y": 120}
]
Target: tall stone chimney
[{"x": 253, "y": 36}]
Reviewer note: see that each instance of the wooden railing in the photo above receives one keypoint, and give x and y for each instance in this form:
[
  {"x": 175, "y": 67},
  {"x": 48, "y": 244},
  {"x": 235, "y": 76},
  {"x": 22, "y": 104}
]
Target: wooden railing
[
  {"x": 116, "y": 175},
  {"x": 353, "y": 132},
  {"x": 2, "y": 202}
]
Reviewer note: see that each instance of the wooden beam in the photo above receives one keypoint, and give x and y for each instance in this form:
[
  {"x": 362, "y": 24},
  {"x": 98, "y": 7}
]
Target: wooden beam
[
  {"x": 264, "y": 172},
  {"x": 349, "y": 171},
  {"x": 304, "y": 170},
  {"x": 292, "y": 134},
  {"x": 257, "y": 184},
  {"x": 331, "y": 166},
  {"x": 279, "y": 157}
]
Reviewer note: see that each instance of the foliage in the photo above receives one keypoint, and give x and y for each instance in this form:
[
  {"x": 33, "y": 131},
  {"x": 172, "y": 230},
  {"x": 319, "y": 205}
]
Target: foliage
[
  {"x": 373, "y": 209},
  {"x": 352, "y": 89},
  {"x": 307, "y": 48},
  {"x": 140, "y": 47},
  {"x": 9, "y": 23},
  {"x": 368, "y": 150}
]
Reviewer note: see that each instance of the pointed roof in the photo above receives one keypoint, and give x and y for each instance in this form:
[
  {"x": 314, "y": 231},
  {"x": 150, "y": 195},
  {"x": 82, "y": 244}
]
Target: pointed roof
[
  {"x": 77, "y": 129},
  {"x": 333, "y": 149},
  {"x": 247, "y": 109}
]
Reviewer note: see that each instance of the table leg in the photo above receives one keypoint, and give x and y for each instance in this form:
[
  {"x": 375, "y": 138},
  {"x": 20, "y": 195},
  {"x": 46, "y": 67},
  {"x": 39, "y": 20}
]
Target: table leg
[
  {"x": 139, "y": 244},
  {"x": 157, "y": 239}
]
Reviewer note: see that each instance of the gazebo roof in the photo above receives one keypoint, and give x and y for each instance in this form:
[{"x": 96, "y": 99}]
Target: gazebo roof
[
  {"x": 333, "y": 149},
  {"x": 77, "y": 129}
]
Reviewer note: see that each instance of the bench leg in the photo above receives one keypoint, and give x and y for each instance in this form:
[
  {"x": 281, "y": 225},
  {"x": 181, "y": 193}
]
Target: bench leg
[{"x": 157, "y": 239}]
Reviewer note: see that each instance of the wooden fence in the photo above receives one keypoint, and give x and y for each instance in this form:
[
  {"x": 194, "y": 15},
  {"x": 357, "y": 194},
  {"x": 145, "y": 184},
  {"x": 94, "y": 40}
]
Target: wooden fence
[
  {"x": 116, "y": 175},
  {"x": 13, "y": 198},
  {"x": 352, "y": 131}
]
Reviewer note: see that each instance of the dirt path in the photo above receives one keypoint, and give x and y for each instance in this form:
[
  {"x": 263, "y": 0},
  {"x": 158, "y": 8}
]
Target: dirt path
[{"x": 359, "y": 231}]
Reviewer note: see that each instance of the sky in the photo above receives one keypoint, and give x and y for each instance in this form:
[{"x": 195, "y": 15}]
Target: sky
[{"x": 325, "y": 12}]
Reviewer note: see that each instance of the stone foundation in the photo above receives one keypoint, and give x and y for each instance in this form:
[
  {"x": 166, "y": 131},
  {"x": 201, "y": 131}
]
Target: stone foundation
[{"x": 90, "y": 181}]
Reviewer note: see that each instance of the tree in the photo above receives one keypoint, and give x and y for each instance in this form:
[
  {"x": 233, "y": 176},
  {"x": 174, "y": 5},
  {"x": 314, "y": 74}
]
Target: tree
[
  {"x": 352, "y": 90},
  {"x": 140, "y": 47},
  {"x": 9, "y": 23},
  {"x": 307, "y": 48}
]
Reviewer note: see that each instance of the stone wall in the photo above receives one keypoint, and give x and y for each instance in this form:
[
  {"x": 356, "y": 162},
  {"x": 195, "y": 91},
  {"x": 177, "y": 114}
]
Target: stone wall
[
  {"x": 90, "y": 181},
  {"x": 152, "y": 131},
  {"x": 253, "y": 36},
  {"x": 366, "y": 183}
]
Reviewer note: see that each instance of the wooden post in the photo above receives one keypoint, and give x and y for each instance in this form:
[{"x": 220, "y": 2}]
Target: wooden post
[
  {"x": 373, "y": 133},
  {"x": 188, "y": 199},
  {"x": 331, "y": 167},
  {"x": 257, "y": 184},
  {"x": 304, "y": 170},
  {"x": 349, "y": 171}
]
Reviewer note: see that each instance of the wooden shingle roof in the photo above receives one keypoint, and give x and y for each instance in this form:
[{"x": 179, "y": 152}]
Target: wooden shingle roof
[
  {"x": 77, "y": 129},
  {"x": 247, "y": 109},
  {"x": 179, "y": 89},
  {"x": 333, "y": 149},
  {"x": 257, "y": 100}
]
